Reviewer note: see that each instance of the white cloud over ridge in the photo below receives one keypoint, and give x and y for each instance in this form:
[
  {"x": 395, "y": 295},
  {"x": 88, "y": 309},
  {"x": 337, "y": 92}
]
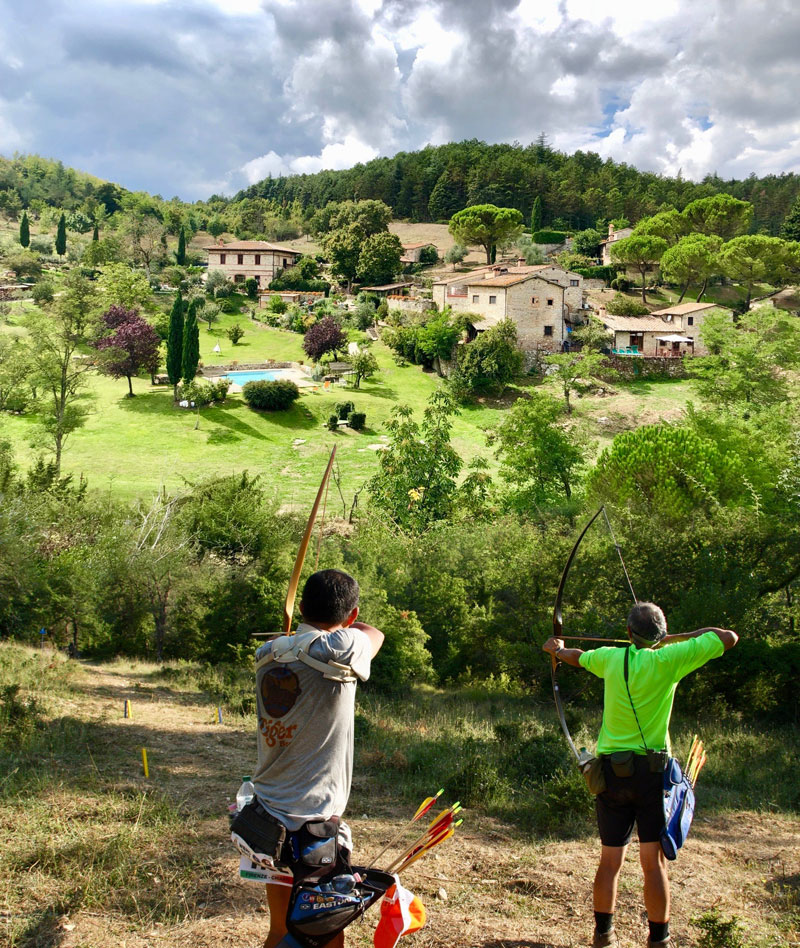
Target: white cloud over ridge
[{"x": 188, "y": 96}]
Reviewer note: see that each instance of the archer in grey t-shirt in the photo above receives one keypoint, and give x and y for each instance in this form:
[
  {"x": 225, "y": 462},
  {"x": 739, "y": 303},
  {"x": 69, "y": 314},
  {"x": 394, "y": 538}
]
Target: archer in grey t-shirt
[{"x": 305, "y": 730}]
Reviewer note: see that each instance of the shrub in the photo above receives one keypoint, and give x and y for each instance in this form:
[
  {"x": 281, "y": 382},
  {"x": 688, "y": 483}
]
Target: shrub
[
  {"x": 42, "y": 243},
  {"x": 357, "y": 420},
  {"x": 620, "y": 283},
  {"x": 43, "y": 292},
  {"x": 271, "y": 396},
  {"x": 623, "y": 306},
  {"x": 235, "y": 333},
  {"x": 333, "y": 423},
  {"x": 598, "y": 273},
  {"x": 251, "y": 288},
  {"x": 277, "y": 305},
  {"x": 343, "y": 410},
  {"x": 549, "y": 237}
]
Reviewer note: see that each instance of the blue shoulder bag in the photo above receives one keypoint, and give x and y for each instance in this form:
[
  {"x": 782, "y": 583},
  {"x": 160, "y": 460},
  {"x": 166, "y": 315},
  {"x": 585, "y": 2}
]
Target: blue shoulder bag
[{"x": 678, "y": 793}]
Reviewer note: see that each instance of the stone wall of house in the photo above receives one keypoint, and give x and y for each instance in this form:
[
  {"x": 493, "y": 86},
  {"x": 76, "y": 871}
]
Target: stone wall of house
[
  {"x": 408, "y": 304},
  {"x": 531, "y": 318}
]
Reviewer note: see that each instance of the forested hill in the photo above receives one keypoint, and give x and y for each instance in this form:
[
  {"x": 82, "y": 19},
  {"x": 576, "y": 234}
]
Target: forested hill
[{"x": 576, "y": 190}]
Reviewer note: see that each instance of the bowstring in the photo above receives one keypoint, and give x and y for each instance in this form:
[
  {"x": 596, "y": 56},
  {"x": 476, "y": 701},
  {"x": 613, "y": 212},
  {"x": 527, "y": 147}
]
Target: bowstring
[{"x": 619, "y": 554}]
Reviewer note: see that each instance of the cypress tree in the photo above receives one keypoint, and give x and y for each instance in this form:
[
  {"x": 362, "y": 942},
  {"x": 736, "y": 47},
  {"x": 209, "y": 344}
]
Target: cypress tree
[
  {"x": 61, "y": 236},
  {"x": 536, "y": 215},
  {"x": 191, "y": 344},
  {"x": 24, "y": 230},
  {"x": 175, "y": 343},
  {"x": 95, "y": 233},
  {"x": 180, "y": 253}
]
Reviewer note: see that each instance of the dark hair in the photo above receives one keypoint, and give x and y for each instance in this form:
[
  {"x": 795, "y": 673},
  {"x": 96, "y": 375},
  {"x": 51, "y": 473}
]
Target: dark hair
[
  {"x": 647, "y": 624},
  {"x": 329, "y": 595}
]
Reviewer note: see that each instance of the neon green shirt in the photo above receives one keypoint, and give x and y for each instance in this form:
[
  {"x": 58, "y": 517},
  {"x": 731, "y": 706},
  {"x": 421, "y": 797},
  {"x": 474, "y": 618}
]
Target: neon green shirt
[{"x": 653, "y": 676}]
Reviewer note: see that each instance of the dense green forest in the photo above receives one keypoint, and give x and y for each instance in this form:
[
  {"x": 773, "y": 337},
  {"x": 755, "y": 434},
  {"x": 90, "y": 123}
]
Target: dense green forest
[{"x": 576, "y": 190}]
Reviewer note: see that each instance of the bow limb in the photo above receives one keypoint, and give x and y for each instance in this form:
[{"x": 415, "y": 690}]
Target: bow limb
[
  {"x": 558, "y": 628},
  {"x": 291, "y": 593}
]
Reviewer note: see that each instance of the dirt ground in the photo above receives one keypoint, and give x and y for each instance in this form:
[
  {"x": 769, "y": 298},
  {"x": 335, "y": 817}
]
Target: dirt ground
[{"x": 487, "y": 887}]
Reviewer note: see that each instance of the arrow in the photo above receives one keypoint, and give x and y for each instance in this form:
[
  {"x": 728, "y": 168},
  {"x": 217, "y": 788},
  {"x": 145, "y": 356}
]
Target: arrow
[
  {"x": 422, "y": 809},
  {"x": 440, "y": 824},
  {"x": 429, "y": 846}
]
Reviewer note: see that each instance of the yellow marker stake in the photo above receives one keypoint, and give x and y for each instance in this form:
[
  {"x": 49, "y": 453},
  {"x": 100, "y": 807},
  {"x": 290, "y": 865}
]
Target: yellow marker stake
[{"x": 144, "y": 762}]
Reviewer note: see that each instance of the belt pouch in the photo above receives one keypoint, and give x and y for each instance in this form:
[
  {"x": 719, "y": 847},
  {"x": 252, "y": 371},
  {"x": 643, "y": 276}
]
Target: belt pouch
[
  {"x": 622, "y": 763},
  {"x": 259, "y": 829},
  {"x": 317, "y": 842}
]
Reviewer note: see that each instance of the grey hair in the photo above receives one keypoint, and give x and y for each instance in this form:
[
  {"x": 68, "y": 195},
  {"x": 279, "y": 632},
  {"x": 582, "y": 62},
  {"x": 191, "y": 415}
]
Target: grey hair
[{"x": 647, "y": 623}]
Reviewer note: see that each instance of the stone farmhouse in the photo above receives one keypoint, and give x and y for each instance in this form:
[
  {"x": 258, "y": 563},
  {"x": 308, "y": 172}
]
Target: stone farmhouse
[
  {"x": 544, "y": 302},
  {"x": 242, "y": 259},
  {"x": 412, "y": 252},
  {"x": 613, "y": 237},
  {"x": 671, "y": 332}
]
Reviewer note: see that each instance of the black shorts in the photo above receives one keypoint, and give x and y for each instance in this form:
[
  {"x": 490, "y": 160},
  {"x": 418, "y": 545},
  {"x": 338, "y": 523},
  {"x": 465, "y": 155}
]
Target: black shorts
[{"x": 637, "y": 799}]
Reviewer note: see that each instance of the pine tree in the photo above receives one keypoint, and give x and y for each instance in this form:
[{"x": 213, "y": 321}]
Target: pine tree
[
  {"x": 175, "y": 343},
  {"x": 95, "y": 233},
  {"x": 180, "y": 253},
  {"x": 24, "y": 230},
  {"x": 61, "y": 236},
  {"x": 536, "y": 215},
  {"x": 791, "y": 223},
  {"x": 191, "y": 344}
]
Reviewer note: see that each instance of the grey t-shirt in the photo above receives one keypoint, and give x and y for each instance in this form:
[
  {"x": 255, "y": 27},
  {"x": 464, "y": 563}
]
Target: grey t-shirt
[{"x": 305, "y": 729}]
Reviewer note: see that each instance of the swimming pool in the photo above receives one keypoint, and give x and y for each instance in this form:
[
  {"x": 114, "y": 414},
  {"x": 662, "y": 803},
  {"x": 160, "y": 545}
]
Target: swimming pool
[{"x": 258, "y": 375}]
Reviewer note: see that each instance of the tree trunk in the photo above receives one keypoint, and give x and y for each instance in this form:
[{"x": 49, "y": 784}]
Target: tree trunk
[
  {"x": 644, "y": 281},
  {"x": 130, "y": 386},
  {"x": 702, "y": 290},
  {"x": 683, "y": 291},
  {"x": 175, "y": 392}
]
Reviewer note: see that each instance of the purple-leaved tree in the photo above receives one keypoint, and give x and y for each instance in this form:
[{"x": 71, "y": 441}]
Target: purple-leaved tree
[
  {"x": 130, "y": 345},
  {"x": 324, "y": 336}
]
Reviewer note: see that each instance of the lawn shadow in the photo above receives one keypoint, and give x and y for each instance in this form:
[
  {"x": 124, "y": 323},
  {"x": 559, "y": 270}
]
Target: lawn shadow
[{"x": 376, "y": 389}]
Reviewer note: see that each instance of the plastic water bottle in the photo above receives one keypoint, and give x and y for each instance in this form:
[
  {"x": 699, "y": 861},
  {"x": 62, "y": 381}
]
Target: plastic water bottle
[{"x": 245, "y": 793}]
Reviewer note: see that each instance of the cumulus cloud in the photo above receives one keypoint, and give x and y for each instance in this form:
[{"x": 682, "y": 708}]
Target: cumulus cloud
[{"x": 190, "y": 96}]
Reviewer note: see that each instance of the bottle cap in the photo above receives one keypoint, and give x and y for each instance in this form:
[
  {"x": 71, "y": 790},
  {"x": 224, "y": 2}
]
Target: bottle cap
[{"x": 246, "y": 778}]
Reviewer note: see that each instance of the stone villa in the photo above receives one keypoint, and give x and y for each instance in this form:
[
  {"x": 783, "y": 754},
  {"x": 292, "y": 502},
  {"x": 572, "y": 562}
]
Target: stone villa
[
  {"x": 242, "y": 259},
  {"x": 544, "y": 302},
  {"x": 673, "y": 331}
]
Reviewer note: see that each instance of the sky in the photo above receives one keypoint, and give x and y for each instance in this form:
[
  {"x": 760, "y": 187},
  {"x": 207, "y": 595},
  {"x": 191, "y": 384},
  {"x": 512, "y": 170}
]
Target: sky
[{"x": 194, "y": 97}]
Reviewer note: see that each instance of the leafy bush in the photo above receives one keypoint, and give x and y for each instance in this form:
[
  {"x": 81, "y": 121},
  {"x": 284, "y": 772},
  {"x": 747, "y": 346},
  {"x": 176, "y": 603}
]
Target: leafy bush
[
  {"x": 235, "y": 333},
  {"x": 251, "y": 288},
  {"x": 271, "y": 396},
  {"x": 357, "y": 420},
  {"x": 549, "y": 237},
  {"x": 43, "y": 292},
  {"x": 277, "y": 305},
  {"x": 623, "y": 306},
  {"x": 229, "y": 306},
  {"x": 598, "y": 273},
  {"x": 620, "y": 283},
  {"x": 429, "y": 254},
  {"x": 332, "y": 423},
  {"x": 343, "y": 410}
]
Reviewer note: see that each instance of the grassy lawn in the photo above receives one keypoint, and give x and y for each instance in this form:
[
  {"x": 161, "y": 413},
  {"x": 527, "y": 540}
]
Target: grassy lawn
[{"x": 134, "y": 447}]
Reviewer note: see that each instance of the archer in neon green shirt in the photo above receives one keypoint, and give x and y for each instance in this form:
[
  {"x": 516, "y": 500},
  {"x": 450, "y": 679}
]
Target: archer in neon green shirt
[
  {"x": 653, "y": 676},
  {"x": 656, "y": 663}
]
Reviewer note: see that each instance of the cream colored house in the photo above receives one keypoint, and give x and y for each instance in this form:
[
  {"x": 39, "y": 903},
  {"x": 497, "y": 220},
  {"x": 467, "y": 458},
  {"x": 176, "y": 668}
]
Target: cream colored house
[
  {"x": 242, "y": 259},
  {"x": 686, "y": 319},
  {"x": 412, "y": 252},
  {"x": 671, "y": 332},
  {"x": 542, "y": 302},
  {"x": 613, "y": 237}
]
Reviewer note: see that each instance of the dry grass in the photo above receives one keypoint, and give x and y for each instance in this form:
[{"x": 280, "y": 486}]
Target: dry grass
[{"x": 489, "y": 887}]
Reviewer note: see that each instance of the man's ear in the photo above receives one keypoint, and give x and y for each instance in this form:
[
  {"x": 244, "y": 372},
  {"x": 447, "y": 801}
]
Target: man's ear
[
  {"x": 300, "y": 607},
  {"x": 351, "y": 618}
]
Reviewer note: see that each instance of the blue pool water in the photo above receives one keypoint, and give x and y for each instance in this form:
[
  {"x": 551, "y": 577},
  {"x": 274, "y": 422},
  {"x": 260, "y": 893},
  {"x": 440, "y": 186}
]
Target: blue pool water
[{"x": 257, "y": 375}]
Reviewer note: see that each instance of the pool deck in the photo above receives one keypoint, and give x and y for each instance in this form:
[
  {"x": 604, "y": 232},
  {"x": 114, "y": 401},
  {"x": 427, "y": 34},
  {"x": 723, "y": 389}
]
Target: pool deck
[{"x": 299, "y": 374}]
